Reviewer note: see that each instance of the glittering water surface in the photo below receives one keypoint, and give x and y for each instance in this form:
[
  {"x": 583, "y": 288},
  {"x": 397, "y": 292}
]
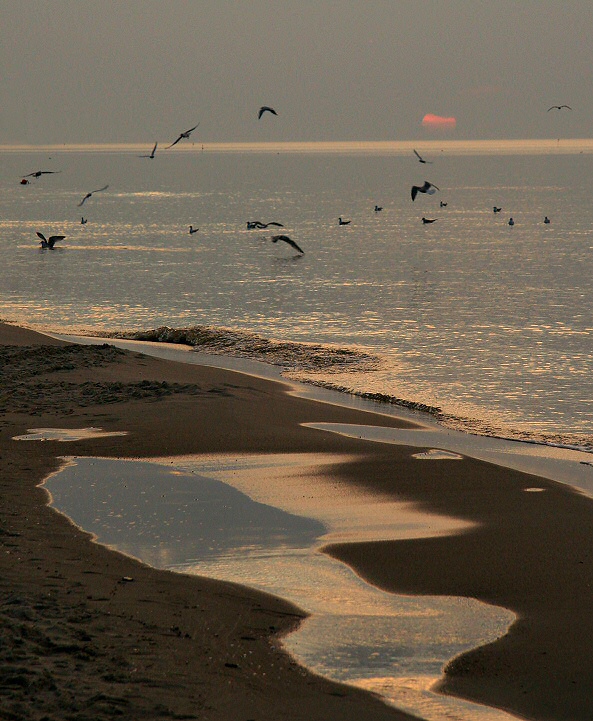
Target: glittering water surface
[{"x": 490, "y": 323}]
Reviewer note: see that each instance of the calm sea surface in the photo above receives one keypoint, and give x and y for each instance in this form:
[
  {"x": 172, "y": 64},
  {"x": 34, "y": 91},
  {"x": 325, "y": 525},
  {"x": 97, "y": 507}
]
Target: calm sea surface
[{"x": 488, "y": 322}]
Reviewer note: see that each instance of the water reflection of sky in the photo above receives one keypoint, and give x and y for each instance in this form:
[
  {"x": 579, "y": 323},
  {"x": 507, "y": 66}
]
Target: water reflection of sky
[{"x": 180, "y": 514}]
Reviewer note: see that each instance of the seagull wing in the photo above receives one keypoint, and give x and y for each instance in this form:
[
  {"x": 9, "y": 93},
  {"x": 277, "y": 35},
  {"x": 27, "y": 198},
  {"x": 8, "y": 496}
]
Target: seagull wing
[
  {"x": 41, "y": 236},
  {"x": 415, "y": 190},
  {"x": 266, "y": 108},
  {"x": 55, "y": 238},
  {"x": 417, "y": 154},
  {"x": 100, "y": 189},
  {"x": 191, "y": 130},
  {"x": 153, "y": 151},
  {"x": 278, "y": 225},
  {"x": 174, "y": 142}
]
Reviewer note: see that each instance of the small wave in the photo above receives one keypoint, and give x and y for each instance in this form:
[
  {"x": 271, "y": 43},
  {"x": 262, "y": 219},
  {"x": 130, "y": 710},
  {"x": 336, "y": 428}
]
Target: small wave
[
  {"x": 304, "y": 362},
  {"x": 286, "y": 354}
]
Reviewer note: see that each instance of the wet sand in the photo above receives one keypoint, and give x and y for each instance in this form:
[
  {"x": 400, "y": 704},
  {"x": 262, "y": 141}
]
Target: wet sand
[{"x": 88, "y": 633}]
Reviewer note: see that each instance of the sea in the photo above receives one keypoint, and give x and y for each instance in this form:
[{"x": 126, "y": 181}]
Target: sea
[
  {"x": 486, "y": 324},
  {"x": 483, "y": 326}
]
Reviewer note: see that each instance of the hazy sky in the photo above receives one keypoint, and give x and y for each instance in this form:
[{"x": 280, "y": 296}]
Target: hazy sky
[{"x": 96, "y": 71}]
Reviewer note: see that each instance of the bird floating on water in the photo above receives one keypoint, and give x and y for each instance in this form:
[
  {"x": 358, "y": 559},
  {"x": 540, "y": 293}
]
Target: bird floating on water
[
  {"x": 88, "y": 195},
  {"x": 378, "y": 208},
  {"x": 265, "y": 109},
  {"x": 343, "y": 222},
  {"x": 83, "y": 220},
  {"x": 429, "y": 220},
  {"x": 193, "y": 230},
  {"x": 496, "y": 210},
  {"x": 51, "y": 241},
  {"x": 511, "y": 221},
  {"x": 559, "y": 107},
  {"x": 443, "y": 205},
  {"x": 39, "y": 173},
  {"x": 421, "y": 159},
  {"x": 152, "y": 152},
  {"x": 546, "y": 220},
  {"x": 182, "y": 136},
  {"x": 429, "y": 188},
  {"x": 290, "y": 241}
]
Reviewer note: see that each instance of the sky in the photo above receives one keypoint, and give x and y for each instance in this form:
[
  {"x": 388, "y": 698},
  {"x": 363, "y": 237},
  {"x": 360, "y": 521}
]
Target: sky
[{"x": 138, "y": 71}]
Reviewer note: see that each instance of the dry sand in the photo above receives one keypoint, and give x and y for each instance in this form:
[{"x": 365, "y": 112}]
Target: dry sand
[{"x": 80, "y": 640}]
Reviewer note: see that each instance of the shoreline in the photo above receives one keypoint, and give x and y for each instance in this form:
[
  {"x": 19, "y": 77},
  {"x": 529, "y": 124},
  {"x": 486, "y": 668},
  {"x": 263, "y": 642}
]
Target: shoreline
[{"x": 540, "y": 669}]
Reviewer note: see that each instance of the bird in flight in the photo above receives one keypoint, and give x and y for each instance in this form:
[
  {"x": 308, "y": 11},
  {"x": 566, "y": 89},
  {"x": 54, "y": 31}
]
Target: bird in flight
[
  {"x": 39, "y": 173},
  {"x": 152, "y": 152},
  {"x": 193, "y": 230},
  {"x": 290, "y": 241},
  {"x": 51, "y": 241},
  {"x": 559, "y": 107},
  {"x": 420, "y": 158},
  {"x": 266, "y": 109},
  {"x": 429, "y": 220},
  {"x": 343, "y": 222},
  {"x": 186, "y": 134},
  {"x": 429, "y": 188},
  {"x": 88, "y": 195},
  {"x": 253, "y": 224}
]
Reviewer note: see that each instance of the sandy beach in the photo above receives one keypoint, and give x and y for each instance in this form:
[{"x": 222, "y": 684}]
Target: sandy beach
[{"x": 88, "y": 633}]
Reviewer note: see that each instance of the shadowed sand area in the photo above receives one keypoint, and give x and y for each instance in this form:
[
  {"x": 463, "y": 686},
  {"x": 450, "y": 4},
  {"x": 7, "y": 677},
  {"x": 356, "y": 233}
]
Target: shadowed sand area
[{"x": 88, "y": 633}]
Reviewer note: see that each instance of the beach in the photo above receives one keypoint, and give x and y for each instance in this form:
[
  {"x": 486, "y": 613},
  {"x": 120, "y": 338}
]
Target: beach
[{"x": 88, "y": 633}]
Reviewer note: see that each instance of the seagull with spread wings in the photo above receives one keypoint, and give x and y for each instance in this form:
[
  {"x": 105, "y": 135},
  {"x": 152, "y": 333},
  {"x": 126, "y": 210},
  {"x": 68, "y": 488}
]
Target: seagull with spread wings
[
  {"x": 266, "y": 109},
  {"x": 290, "y": 241},
  {"x": 88, "y": 195},
  {"x": 182, "y": 136},
  {"x": 51, "y": 241},
  {"x": 39, "y": 173},
  {"x": 429, "y": 188},
  {"x": 559, "y": 107}
]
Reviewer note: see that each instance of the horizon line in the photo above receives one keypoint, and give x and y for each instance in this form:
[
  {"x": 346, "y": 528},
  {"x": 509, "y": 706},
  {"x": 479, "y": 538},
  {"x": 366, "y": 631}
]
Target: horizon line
[{"x": 392, "y": 147}]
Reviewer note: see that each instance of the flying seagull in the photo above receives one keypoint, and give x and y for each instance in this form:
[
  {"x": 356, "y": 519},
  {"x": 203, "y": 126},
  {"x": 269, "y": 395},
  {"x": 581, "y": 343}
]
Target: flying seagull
[
  {"x": 182, "y": 136},
  {"x": 286, "y": 239},
  {"x": 429, "y": 188},
  {"x": 420, "y": 158},
  {"x": 252, "y": 224},
  {"x": 559, "y": 107},
  {"x": 88, "y": 195},
  {"x": 51, "y": 241},
  {"x": 266, "y": 109},
  {"x": 39, "y": 173},
  {"x": 343, "y": 222},
  {"x": 152, "y": 152},
  {"x": 193, "y": 230},
  {"x": 428, "y": 220}
]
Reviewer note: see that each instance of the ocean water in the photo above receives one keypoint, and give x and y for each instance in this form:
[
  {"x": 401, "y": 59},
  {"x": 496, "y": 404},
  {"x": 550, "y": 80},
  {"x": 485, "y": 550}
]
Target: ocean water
[{"x": 489, "y": 323}]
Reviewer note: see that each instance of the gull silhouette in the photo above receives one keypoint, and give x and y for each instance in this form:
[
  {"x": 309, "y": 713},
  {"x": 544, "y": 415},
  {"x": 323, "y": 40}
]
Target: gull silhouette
[
  {"x": 420, "y": 158},
  {"x": 429, "y": 188},
  {"x": 186, "y": 134},
  {"x": 290, "y": 241},
  {"x": 253, "y": 224},
  {"x": 193, "y": 230},
  {"x": 88, "y": 195},
  {"x": 266, "y": 109},
  {"x": 496, "y": 210},
  {"x": 429, "y": 220},
  {"x": 378, "y": 208},
  {"x": 343, "y": 222},
  {"x": 51, "y": 241},
  {"x": 39, "y": 173},
  {"x": 152, "y": 152},
  {"x": 559, "y": 107},
  {"x": 83, "y": 220}
]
